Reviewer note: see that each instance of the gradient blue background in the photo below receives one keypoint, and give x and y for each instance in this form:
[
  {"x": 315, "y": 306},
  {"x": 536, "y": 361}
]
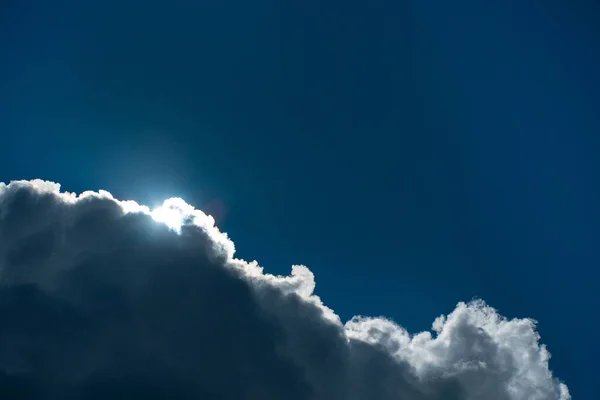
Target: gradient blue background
[{"x": 412, "y": 153}]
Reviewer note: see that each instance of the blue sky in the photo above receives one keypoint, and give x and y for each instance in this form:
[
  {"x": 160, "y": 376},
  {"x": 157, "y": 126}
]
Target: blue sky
[{"x": 412, "y": 154}]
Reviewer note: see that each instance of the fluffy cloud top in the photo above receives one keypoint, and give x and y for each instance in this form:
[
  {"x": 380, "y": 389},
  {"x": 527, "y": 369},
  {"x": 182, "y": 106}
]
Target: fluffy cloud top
[{"x": 101, "y": 298}]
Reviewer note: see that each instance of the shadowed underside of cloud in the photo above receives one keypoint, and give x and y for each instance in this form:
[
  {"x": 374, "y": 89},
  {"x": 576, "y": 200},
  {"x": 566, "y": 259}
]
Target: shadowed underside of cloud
[{"x": 101, "y": 298}]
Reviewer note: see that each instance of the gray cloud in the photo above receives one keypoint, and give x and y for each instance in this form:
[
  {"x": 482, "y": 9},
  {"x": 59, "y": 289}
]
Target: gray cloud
[{"x": 101, "y": 299}]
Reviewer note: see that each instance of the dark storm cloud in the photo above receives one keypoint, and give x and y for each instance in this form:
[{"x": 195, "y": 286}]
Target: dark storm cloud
[{"x": 99, "y": 300}]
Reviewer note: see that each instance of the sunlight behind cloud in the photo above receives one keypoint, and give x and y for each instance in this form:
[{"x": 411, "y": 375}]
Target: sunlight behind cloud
[{"x": 173, "y": 213}]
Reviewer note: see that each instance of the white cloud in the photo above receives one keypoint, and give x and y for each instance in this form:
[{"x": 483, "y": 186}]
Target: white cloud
[{"x": 99, "y": 298}]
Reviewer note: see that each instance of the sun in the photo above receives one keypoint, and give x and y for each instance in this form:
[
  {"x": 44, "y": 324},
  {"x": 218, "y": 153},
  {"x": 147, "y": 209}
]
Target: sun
[{"x": 172, "y": 213}]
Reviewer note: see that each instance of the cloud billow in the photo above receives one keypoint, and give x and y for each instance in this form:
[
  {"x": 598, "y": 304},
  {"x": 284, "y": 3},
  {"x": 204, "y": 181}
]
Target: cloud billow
[{"x": 101, "y": 298}]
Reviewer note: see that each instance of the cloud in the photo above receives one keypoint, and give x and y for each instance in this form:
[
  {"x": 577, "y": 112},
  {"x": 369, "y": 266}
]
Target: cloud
[{"x": 101, "y": 298}]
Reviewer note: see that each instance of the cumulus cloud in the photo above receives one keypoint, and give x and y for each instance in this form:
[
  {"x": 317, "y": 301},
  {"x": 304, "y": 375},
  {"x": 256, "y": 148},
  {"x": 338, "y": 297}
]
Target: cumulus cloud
[{"x": 101, "y": 298}]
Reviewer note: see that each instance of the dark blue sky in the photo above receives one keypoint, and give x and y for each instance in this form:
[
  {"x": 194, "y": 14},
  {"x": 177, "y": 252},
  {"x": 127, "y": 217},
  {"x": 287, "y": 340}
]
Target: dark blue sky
[{"x": 412, "y": 153}]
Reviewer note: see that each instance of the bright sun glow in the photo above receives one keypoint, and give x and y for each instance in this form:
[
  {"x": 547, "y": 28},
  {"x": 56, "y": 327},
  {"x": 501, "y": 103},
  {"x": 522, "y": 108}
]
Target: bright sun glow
[{"x": 172, "y": 213}]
